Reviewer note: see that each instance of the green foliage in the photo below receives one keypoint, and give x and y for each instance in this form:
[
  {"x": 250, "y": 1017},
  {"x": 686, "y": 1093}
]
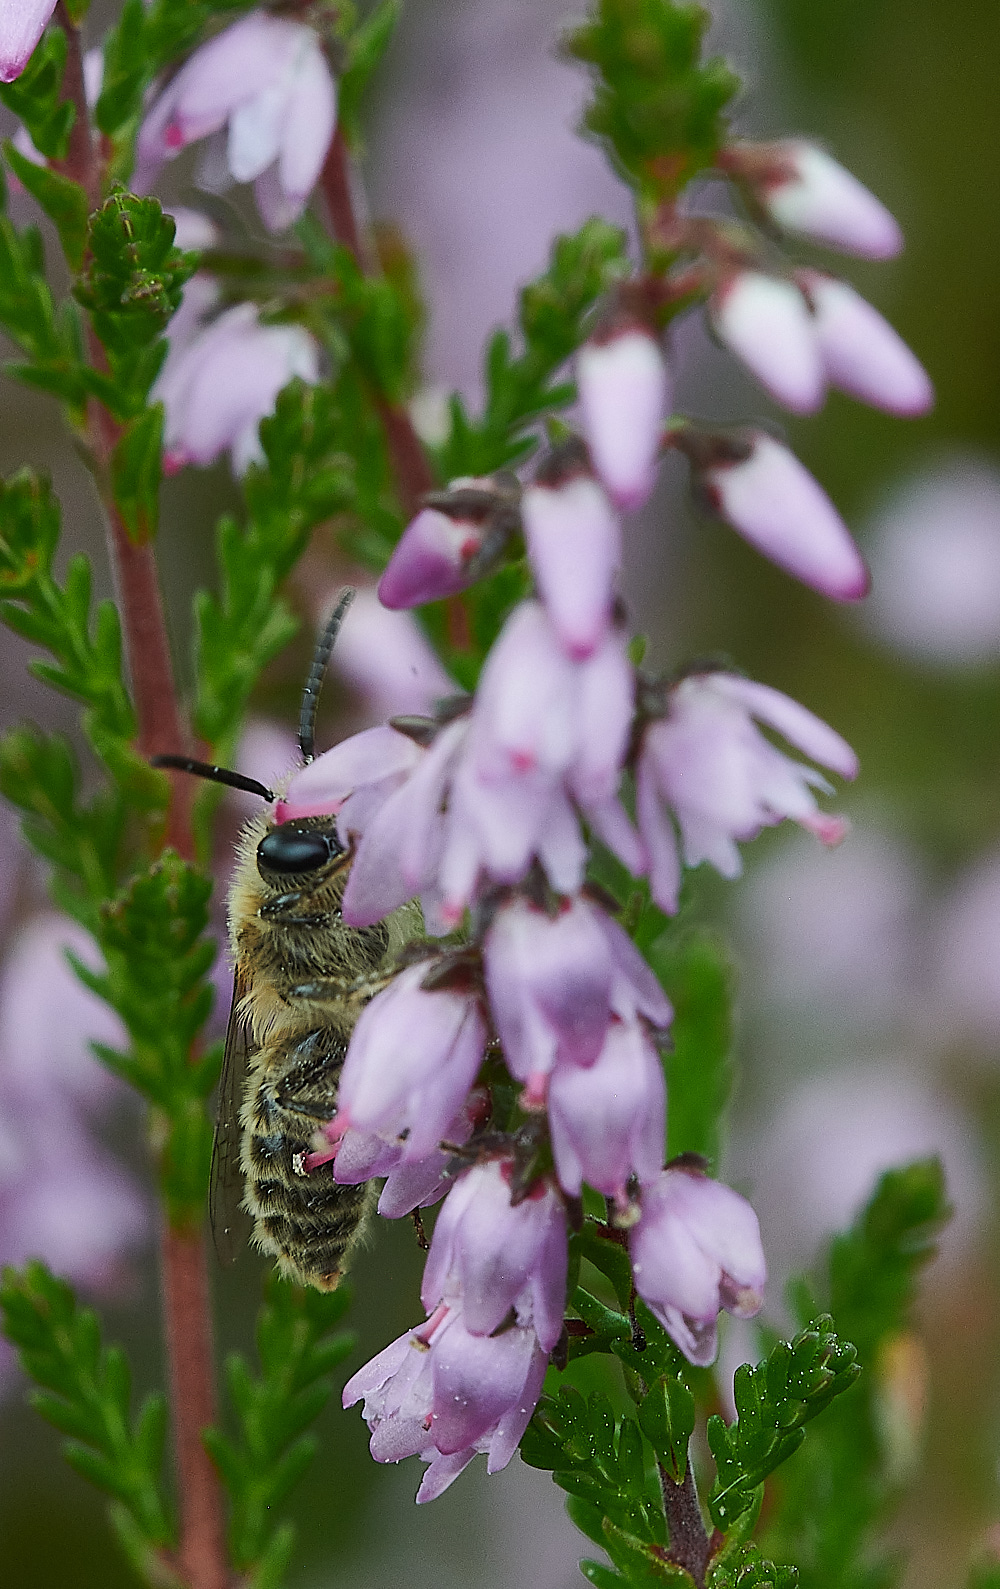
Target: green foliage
[
  {"x": 774, "y": 1401},
  {"x": 658, "y": 106},
  {"x": 697, "y": 978},
  {"x": 274, "y": 1408},
  {"x": 86, "y": 646},
  {"x": 36, "y": 97},
  {"x": 746, "y": 1568},
  {"x": 829, "y": 1500},
  {"x": 157, "y": 957},
  {"x": 307, "y": 478},
  {"x": 553, "y": 320},
  {"x": 50, "y": 337},
  {"x": 131, "y": 287},
  {"x": 64, "y": 201},
  {"x": 86, "y": 1393},
  {"x": 364, "y": 49},
  {"x": 666, "y": 1417}
]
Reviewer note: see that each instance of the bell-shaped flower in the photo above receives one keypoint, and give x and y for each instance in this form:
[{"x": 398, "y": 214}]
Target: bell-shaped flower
[
  {"x": 224, "y": 381},
  {"x": 412, "y": 1061},
  {"x": 268, "y": 79},
  {"x": 861, "y": 353},
  {"x": 415, "y": 1183},
  {"x": 624, "y": 392},
  {"x": 443, "y": 1393},
  {"x": 696, "y": 1250},
  {"x": 760, "y": 488},
  {"x": 805, "y": 191},
  {"x": 22, "y": 23},
  {"x": 555, "y": 980},
  {"x": 352, "y": 780},
  {"x": 608, "y": 1120},
  {"x": 574, "y": 546},
  {"x": 497, "y": 1256},
  {"x": 707, "y": 765},
  {"x": 765, "y": 321},
  {"x": 457, "y": 538}
]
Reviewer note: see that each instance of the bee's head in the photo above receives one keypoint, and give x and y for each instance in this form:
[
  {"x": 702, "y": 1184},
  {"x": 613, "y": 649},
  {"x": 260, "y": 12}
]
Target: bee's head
[{"x": 300, "y": 848}]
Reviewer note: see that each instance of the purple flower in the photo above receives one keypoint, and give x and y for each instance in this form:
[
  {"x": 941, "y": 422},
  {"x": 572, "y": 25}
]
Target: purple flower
[
  {"x": 409, "y": 1184},
  {"x": 434, "y": 558},
  {"x": 352, "y": 779},
  {"x": 765, "y": 321},
  {"x": 224, "y": 381},
  {"x": 861, "y": 353},
  {"x": 502, "y": 785},
  {"x": 695, "y": 1250},
  {"x": 709, "y": 764},
  {"x": 497, "y": 1257},
  {"x": 444, "y": 1394},
  {"x": 411, "y": 1063},
  {"x": 574, "y": 547},
  {"x": 555, "y": 981},
  {"x": 22, "y": 23},
  {"x": 608, "y": 1120},
  {"x": 762, "y": 490},
  {"x": 624, "y": 392},
  {"x": 806, "y": 191},
  {"x": 267, "y": 77}
]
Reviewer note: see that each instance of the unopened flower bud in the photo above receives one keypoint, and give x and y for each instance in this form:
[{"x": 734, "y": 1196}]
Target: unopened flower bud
[
  {"x": 574, "y": 545},
  {"x": 804, "y": 190},
  {"x": 765, "y": 321},
  {"x": 861, "y": 352},
  {"x": 453, "y": 541},
  {"x": 624, "y": 395},
  {"x": 769, "y": 498}
]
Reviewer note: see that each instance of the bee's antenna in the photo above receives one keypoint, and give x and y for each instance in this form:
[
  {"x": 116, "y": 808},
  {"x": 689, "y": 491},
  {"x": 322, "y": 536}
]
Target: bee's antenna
[
  {"x": 204, "y": 769},
  {"x": 310, "y": 695}
]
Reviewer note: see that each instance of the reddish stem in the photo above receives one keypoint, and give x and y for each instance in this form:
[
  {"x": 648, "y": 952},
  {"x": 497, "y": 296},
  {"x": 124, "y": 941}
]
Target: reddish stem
[
  {"x": 187, "y": 1316},
  {"x": 413, "y": 473},
  {"x": 161, "y": 728}
]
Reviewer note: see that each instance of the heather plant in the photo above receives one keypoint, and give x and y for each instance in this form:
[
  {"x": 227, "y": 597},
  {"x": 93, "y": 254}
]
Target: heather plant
[{"x": 550, "y": 1062}]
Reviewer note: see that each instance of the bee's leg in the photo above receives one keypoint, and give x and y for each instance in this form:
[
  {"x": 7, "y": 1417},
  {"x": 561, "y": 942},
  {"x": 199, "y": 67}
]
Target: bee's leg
[{"x": 338, "y": 990}]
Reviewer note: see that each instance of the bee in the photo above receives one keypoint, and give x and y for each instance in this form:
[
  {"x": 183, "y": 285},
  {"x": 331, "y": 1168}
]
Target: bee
[{"x": 302, "y": 978}]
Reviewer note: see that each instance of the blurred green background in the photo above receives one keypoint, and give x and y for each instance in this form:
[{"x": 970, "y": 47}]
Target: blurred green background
[{"x": 470, "y": 150}]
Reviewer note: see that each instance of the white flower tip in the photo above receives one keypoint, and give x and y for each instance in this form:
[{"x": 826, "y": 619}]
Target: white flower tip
[
  {"x": 764, "y": 320},
  {"x": 819, "y": 198}
]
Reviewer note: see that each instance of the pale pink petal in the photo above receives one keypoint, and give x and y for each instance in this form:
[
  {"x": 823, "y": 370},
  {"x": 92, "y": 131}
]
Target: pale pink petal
[
  {"x": 765, "y": 321},
  {"x": 817, "y": 197},
  {"x": 794, "y": 722},
  {"x": 861, "y": 352},
  {"x": 624, "y": 395},
  {"x": 22, "y": 23}
]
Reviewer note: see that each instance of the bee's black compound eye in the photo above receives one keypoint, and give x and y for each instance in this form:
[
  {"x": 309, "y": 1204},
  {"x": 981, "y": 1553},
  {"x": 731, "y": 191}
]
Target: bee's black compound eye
[{"x": 290, "y": 848}]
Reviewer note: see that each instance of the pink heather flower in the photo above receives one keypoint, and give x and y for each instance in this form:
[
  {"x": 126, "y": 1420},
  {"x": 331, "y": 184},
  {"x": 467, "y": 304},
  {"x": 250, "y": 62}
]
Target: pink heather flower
[
  {"x": 695, "y": 1250},
  {"x": 411, "y": 1063},
  {"x": 434, "y": 558},
  {"x": 806, "y": 191},
  {"x": 497, "y": 1257},
  {"x": 224, "y": 382},
  {"x": 708, "y": 764},
  {"x": 777, "y": 505},
  {"x": 574, "y": 547},
  {"x": 267, "y": 77},
  {"x": 417, "y": 1183},
  {"x": 502, "y": 785},
  {"x": 624, "y": 392},
  {"x": 765, "y": 321},
  {"x": 861, "y": 353},
  {"x": 22, "y": 23},
  {"x": 555, "y": 981},
  {"x": 443, "y": 1393},
  {"x": 352, "y": 779},
  {"x": 608, "y": 1120}
]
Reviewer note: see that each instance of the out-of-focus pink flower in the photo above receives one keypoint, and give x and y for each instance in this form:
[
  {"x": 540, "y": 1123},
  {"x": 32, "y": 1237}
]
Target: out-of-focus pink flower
[
  {"x": 411, "y": 1063},
  {"x": 861, "y": 352},
  {"x": 624, "y": 392},
  {"x": 352, "y": 779},
  {"x": 777, "y": 505},
  {"x": 709, "y": 764},
  {"x": 224, "y": 381},
  {"x": 935, "y": 553},
  {"x": 806, "y": 191},
  {"x": 608, "y": 1119},
  {"x": 22, "y": 23},
  {"x": 556, "y": 980},
  {"x": 496, "y": 1256},
  {"x": 267, "y": 77},
  {"x": 575, "y": 547},
  {"x": 765, "y": 321},
  {"x": 444, "y": 1394},
  {"x": 388, "y": 659},
  {"x": 695, "y": 1250},
  {"x": 434, "y": 558}
]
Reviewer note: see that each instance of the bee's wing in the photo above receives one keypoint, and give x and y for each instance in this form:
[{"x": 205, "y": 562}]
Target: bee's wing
[{"x": 230, "y": 1224}]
